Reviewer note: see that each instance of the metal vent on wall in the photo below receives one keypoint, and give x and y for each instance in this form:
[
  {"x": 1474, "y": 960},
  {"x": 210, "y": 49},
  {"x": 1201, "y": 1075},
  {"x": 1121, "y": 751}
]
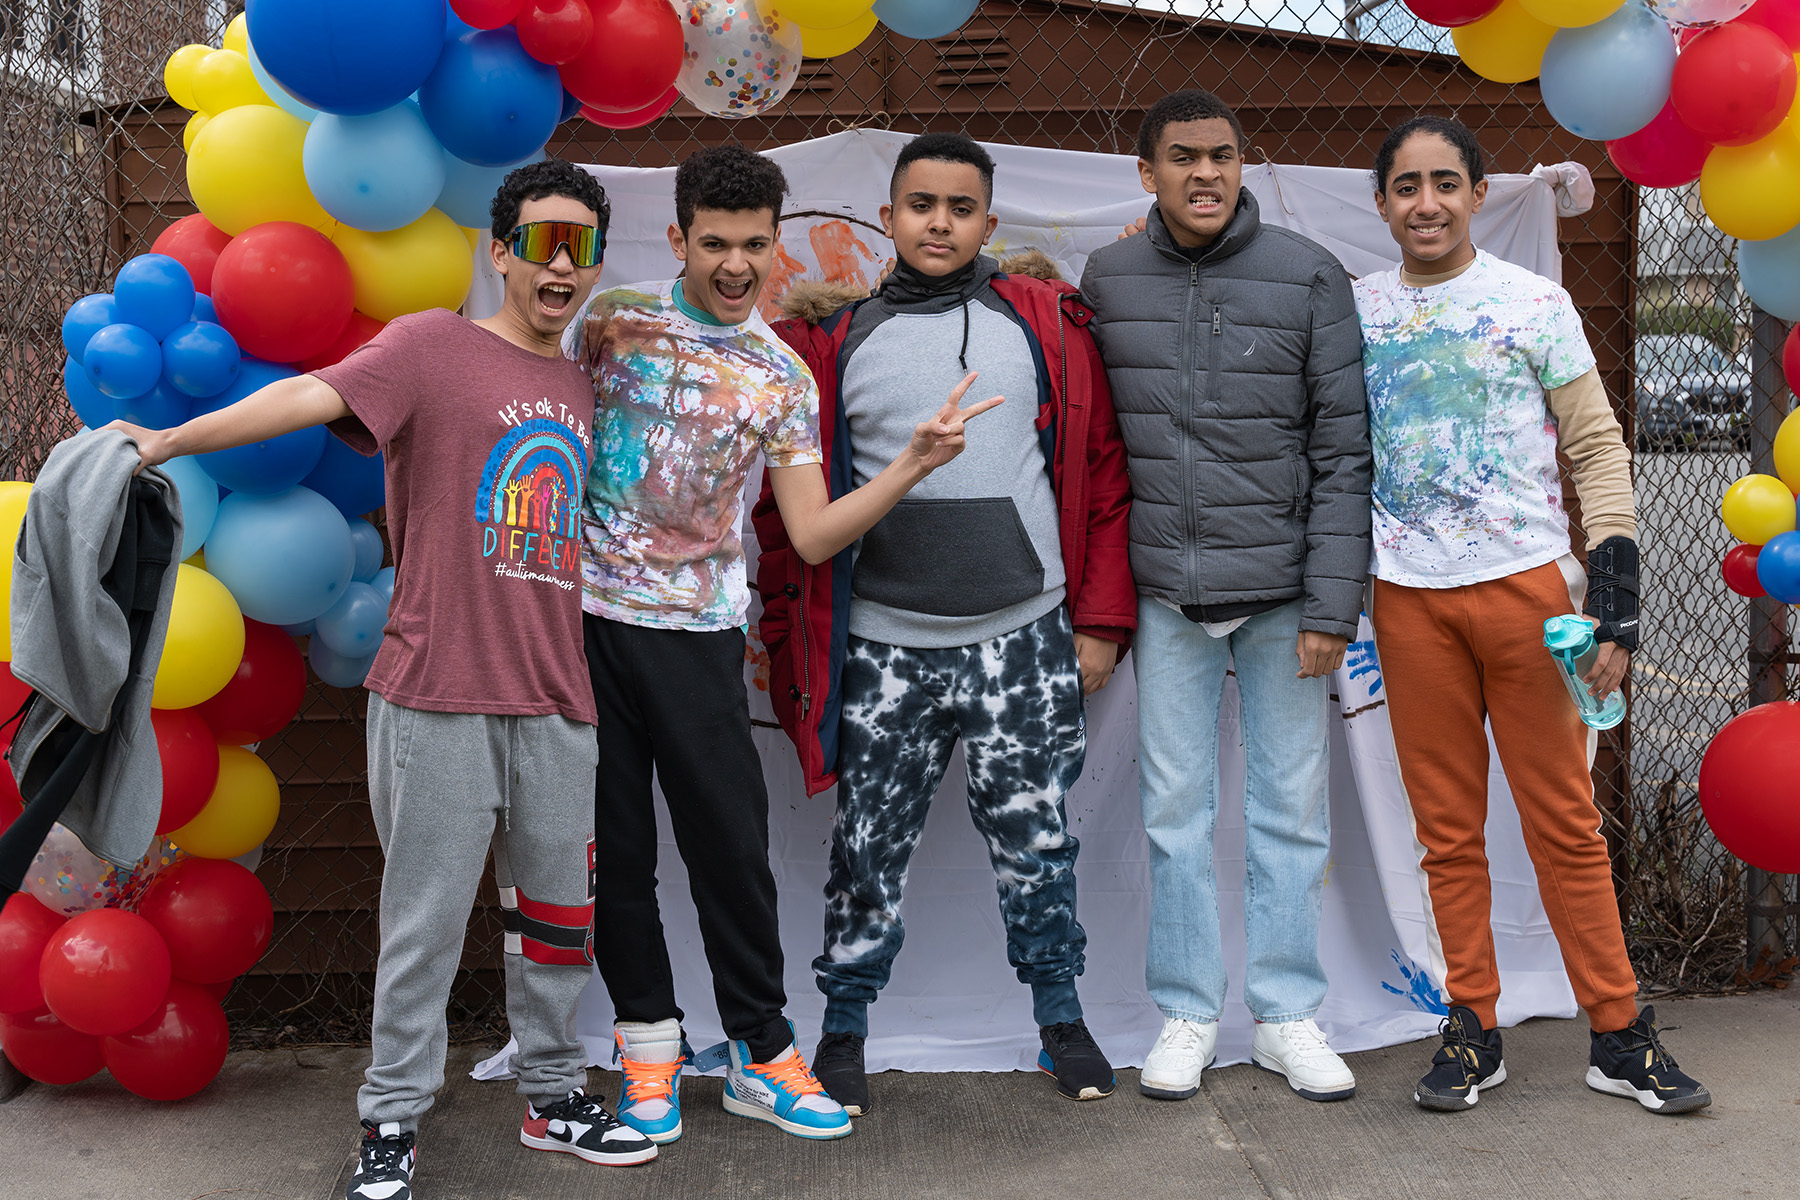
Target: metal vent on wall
[
  {"x": 978, "y": 56},
  {"x": 817, "y": 77}
]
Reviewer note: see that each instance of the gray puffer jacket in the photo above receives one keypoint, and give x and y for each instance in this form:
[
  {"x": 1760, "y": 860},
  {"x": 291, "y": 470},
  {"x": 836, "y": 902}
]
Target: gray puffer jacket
[{"x": 1238, "y": 381}]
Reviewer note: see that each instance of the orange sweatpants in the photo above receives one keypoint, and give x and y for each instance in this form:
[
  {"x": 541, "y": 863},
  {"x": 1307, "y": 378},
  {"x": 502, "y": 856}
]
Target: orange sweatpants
[{"x": 1449, "y": 658}]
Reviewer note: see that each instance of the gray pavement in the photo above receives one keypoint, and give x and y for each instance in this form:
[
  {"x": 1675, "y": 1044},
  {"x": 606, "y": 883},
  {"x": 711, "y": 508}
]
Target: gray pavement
[{"x": 282, "y": 1124}]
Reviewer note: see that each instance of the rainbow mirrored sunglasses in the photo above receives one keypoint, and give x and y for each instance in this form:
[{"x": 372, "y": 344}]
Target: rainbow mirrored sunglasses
[{"x": 537, "y": 241}]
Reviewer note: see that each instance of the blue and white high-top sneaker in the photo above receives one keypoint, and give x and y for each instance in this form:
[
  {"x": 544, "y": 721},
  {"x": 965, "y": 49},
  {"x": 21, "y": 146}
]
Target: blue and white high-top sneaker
[
  {"x": 651, "y": 1057},
  {"x": 784, "y": 1093}
]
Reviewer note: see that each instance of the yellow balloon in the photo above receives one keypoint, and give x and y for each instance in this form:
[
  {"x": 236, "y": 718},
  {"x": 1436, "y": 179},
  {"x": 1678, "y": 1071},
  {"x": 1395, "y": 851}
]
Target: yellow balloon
[
  {"x": 1571, "y": 14},
  {"x": 178, "y": 75},
  {"x": 192, "y": 129},
  {"x": 1787, "y": 451},
  {"x": 1753, "y": 192},
  {"x": 244, "y": 169},
  {"x": 424, "y": 265},
  {"x": 240, "y": 814},
  {"x": 822, "y": 14},
  {"x": 223, "y": 79},
  {"x": 1506, "y": 46},
  {"x": 204, "y": 645},
  {"x": 474, "y": 236},
  {"x": 1756, "y": 508},
  {"x": 828, "y": 43},
  {"x": 237, "y": 35},
  {"x": 12, "y": 515}
]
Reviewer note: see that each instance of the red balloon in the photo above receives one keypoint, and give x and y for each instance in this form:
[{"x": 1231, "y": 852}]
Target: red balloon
[
  {"x": 486, "y": 14},
  {"x": 1734, "y": 84},
  {"x": 1790, "y": 360},
  {"x": 196, "y": 244},
  {"x": 1663, "y": 154},
  {"x": 47, "y": 1050},
  {"x": 283, "y": 290},
  {"x": 25, "y": 929},
  {"x": 639, "y": 117},
  {"x": 1739, "y": 570},
  {"x": 1451, "y": 13},
  {"x": 218, "y": 991},
  {"x": 1749, "y": 790},
  {"x": 190, "y": 764},
  {"x": 12, "y": 695},
  {"x": 215, "y": 916},
  {"x": 104, "y": 971},
  {"x": 555, "y": 31},
  {"x": 631, "y": 59},
  {"x": 1782, "y": 17},
  {"x": 360, "y": 329},
  {"x": 263, "y": 697},
  {"x": 176, "y": 1051}
]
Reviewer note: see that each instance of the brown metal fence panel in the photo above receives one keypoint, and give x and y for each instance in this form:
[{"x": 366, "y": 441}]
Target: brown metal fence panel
[{"x": 91, "y": 169}]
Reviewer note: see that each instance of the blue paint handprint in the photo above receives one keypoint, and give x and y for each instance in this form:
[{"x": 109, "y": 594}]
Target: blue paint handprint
[
  {"x": 1360, "y": 660},
  {"x": 1419, "y": 990}
]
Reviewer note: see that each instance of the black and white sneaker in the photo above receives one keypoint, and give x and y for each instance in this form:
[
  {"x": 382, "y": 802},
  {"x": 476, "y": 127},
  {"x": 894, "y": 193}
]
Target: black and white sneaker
[
  {"x": 580, "y": 1124},
  {"x": 838, "y": 1066},
  {"x": 1468, "y": 1061},
  {"x": 1072, "y": 1056},
  {"x": 1632, "y": 1062},
  {"x": 384, "y": 1164}
]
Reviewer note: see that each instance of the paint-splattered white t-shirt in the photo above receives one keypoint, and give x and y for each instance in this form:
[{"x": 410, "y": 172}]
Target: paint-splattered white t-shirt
[{"x": 1466, "y": 484}]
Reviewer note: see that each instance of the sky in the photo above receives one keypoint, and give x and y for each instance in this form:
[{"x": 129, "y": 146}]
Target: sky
[{"x": 1318, "y": 16}]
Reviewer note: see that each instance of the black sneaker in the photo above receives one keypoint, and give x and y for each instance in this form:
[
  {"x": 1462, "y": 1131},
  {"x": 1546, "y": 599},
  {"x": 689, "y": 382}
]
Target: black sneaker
[
  {"x": 838, "y": 1064},
  {"x": 579, "y": 1124},
  {"x": 1632, "y": 1062},
  {"x": 1070, "y": 1054},
  {"x": 1468, "y": 1061},
  {"x": 384, "y": 1164}
]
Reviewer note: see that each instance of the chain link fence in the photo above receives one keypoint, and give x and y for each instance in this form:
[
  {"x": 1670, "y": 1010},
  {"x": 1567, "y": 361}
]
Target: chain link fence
[{"x": 91, "y": 169}]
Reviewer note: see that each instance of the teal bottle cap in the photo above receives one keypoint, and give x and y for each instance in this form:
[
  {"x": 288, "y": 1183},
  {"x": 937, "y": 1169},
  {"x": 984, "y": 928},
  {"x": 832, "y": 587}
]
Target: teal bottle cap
[{"x": 1568, "y": 633}]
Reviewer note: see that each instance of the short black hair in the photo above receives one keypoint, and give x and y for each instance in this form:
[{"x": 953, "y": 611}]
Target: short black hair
[
  {"x": 1448, "y": 128},
  {"x": 945, "y": 147},
  {"x": 1176, "y": 107},
  {"x": 728, "y": 178},
  {"x": 541, "y": 180}
]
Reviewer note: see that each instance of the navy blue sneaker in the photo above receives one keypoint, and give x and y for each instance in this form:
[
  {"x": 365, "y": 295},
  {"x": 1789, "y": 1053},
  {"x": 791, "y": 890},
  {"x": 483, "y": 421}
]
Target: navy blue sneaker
[
  {"x": 1632, "y": 1062},
  {"x": 1071, "y": 1055},
  {"x": 1468, "y": 1061}
]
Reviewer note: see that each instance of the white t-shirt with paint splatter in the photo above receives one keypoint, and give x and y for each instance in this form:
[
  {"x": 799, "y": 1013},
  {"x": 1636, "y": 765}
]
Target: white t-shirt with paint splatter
[{"x": 1466, "y": 483}]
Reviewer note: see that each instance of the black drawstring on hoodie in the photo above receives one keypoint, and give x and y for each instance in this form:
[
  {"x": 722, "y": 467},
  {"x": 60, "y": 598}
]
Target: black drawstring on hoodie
[{"x": 910, "y": 290}]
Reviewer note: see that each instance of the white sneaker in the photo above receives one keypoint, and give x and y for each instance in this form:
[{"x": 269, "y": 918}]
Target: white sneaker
[
  {"x": 1297, "y": 1050},
  {"x": 1182, "y": 1050}
]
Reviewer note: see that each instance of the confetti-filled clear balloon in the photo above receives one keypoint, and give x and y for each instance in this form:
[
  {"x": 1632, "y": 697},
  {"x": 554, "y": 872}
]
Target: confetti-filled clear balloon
[
  {"x": 739, "y": 57},
  {"x": 67, "y": 879},
  {"x": 1698, "y": 14}
]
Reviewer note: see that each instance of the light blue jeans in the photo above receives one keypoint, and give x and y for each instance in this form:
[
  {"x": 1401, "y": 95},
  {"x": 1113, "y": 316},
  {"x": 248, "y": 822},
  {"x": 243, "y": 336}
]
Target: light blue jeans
[{"x": 1287, "y": 840}]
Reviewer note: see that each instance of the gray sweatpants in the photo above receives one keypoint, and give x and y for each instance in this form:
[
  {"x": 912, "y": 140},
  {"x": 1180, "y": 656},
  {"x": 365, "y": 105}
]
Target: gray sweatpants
[{"x": 439, "y": 784}]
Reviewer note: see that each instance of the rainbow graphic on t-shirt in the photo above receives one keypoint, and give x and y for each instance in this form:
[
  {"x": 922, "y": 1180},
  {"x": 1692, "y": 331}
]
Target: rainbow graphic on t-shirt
[{"x": 529, "y": 498}]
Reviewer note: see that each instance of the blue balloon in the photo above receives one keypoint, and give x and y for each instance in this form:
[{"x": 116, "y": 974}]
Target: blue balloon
[
  {"x": 200, "y": 359},
  {"x": 337, "y": 669},
  {"x": 123, "y": 361},
  {"x": 203, "y": 309},
  {"x": 1778, "y": 567},
  {"x": 162, "y": 407},
  {"x": 286, "y": 557},
  {"x": 378, "y": 172},
  {"x": 1770, "y": 272},
  {"x": 353, "y": 625},
  {"x": 155, "y": 293},
  {"x": 354, "y": 482},
  {"x": 571, "y": 107},
  {"x": 347, "y": 56},
  {"x": 925, "y": 19},
  {"x": 86, "y": 317},
  {"x": 261, "y": 467},
  {"x": 369, "y": 550},
  {"x": 469, "y": 189},
  {"x": 300, "y": 628},
  {"x": 199, "y": 502},
  {"x": 488, "y": 101},
  {"x": 276, "y": 92},
  {"x": 1609, "y": 79},
  {"x": 91, "y": 406},
  {"x": 384, "y": 583}
]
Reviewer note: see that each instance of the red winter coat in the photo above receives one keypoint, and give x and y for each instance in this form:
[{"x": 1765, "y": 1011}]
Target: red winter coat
[{"x": 806, "y": 609}]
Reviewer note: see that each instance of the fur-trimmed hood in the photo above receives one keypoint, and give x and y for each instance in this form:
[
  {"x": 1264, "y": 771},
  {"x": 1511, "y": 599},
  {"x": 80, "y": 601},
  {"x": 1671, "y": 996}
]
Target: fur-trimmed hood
[{"x": 812, "y": 300}]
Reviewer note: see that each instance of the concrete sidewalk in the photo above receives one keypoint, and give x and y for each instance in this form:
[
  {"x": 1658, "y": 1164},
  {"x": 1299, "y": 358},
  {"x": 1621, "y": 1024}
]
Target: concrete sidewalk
[{"x": 282, "y": 1124}]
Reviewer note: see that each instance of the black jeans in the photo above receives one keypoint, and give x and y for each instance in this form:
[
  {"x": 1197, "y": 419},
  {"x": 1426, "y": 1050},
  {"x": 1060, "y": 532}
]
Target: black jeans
[{"x": 674, "y": 702}]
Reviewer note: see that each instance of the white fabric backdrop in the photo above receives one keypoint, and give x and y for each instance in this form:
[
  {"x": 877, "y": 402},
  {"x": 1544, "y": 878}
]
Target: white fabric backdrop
[{"x": 953, "y": 1003}]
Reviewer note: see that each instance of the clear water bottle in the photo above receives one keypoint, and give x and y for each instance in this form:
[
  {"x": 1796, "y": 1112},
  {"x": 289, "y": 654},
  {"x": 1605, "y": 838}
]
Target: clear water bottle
[{"x": 1570, "y": 641}]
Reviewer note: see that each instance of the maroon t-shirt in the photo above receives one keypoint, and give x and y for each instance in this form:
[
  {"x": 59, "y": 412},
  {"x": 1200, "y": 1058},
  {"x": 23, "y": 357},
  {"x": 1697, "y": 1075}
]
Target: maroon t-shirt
[{"x": 487, "y": 456}]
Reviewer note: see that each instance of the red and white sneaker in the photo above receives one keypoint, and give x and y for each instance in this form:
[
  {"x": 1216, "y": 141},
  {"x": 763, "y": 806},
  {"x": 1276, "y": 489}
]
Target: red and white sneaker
[{"x": 579, "y": 1124}]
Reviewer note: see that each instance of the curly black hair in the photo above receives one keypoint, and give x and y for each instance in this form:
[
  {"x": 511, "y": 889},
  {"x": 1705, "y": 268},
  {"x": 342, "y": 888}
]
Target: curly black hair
[
  {"x": 1191, "y": 105},
  {"x": 945, "y": 147},
  {"x": 540, "y": 180},
  {"x": 728, "y": 178},
  {"x": 1449, "y": 128}
]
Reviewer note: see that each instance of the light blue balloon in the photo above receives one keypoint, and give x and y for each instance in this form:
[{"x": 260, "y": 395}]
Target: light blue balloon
[
  {"x": 1609, "y": 79},
  {"x": 300, "y": 628},
  {"x": 469, "y": 188},
  {"x": 369, "y": 550},
  {"x": 199, "y": 502},
  {"x": 123, "y": 361},
  {"x": 925, "y": 19},
  {"x": 379, "y": 172},
  {"x": 1770, "y": 272},
  {"x": 384, "y": 583},
  {"x": 276, "y": 92},
  {"x": 200, "y": 358},
  {"x": 286, "y": 557},
  {"x": 336, "y": 669},
  {"x": 353, "y": 625}
]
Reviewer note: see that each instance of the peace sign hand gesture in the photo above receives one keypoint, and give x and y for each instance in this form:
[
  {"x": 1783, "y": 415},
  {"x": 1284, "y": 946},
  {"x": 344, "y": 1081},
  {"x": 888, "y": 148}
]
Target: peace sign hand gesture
[{"x": 940, "y": 439}]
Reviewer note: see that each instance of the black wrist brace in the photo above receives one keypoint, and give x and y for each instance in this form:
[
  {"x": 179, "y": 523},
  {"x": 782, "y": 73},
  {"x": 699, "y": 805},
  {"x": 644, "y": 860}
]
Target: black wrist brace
[{"x": 1612, "y": 593}]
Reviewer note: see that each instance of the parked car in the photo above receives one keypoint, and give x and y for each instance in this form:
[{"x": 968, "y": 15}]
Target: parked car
[{"x": 1690, "y": 392}]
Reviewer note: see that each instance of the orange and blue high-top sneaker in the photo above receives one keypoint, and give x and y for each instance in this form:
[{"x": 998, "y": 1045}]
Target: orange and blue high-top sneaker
[
  {"x": 784, "y": 1093},
  {"x": 651, "y": 1056}
]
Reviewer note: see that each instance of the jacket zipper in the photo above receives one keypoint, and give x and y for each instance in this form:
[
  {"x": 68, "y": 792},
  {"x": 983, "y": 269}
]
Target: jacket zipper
[
  {"x": 805, "y": 654},
  {"x": 1189, "y": 503}
]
